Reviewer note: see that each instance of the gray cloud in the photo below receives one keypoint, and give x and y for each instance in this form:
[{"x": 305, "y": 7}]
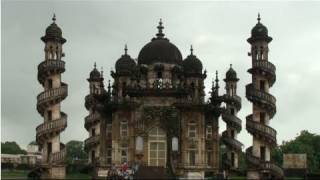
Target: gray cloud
[{"x": 98, "y": 31}]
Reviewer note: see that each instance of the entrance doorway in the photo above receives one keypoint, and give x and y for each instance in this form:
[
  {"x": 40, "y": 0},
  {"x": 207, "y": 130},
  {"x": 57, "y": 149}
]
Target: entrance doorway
[{"x": 157, "y": 147}]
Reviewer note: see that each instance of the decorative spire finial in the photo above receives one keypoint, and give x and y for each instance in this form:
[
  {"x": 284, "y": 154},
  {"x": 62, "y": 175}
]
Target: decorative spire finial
[
  {"x": 217, "y": 80},
  {"x": 191, "y": 50},
  {"x": 125, "y": 49},
  {"x": 101, "y": 71},
  {"x": 230, "y": 66},
  {"x": 54, "y": 17},
  {"x": 160, "y": 27},
  {"x": 258, "y": 18},
  {"x": 95, "y": 65},
  {"x": 109, "y": 87}
]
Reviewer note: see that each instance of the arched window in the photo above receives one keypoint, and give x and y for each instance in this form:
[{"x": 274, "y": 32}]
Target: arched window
[{"x": 157, "y": 147}]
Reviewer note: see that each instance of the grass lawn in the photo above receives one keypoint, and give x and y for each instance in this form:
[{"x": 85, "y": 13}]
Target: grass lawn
[
  {"x": 14, "y": 174},
  {"x": 20, "y": 174}
]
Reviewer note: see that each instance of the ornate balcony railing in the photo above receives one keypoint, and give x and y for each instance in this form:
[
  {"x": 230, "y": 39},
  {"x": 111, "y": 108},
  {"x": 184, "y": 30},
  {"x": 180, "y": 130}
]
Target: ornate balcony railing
[
  {"x": 231, "y": 142},
  {"x": 265, "y": 65},
  {"x": 256, "y": 95},
  {"x": 58, "y": 157},
  {"x": 232, "y": 120},
  {"x": 233, "y": 99},
  {"x": 91, "y": 119},
  {"x": 49, "y": 65},
  {"x": 275, "y": 170},
  {"x": 52, "y": 94},
  {"x": 91, "y": 141},
  {"x": 264, "y": 130},
  {"x": 51, "y": 126}
]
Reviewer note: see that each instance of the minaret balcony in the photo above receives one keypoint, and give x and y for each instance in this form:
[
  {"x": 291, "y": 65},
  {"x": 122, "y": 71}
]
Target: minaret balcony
[
  {"x": 261, "y": 130},
  {"x": 273, "y": 168},
  {"x": 51, "y": 96},
  {"x": 266, "y": 67},
  {"x": 58, "y": 157},
  {"x": 91, "y": 119},
  {"x": 49, "y": 66},
  {"x": 234, "y": 100},
  {"x": 231, "y": 142},
  {"x": 232, "y": 120},
  {"x": 91, "y": 142},
  {"x": 50, "y": 127},
  {"x": 262, "y": 98}
]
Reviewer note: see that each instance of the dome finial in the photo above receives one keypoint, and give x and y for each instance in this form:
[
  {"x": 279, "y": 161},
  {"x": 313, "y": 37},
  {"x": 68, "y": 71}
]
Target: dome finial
[
  {"x": 230, "y": 66},
  {"x": 95, "y": 65},
  {"x": 125, "y": 49},
  {"x": 258, "y": 18},
  {"x": 54, "y": 17},
  {"x": 160, "y": 28},
  {"x": 191, "y": 49}
]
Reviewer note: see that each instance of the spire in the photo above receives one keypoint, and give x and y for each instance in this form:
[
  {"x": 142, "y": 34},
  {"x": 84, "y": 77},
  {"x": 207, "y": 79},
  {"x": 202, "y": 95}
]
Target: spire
[
  {"x": 54, "y": 18},
  {"x": 191, "y": 50},
  {"x": 101, "y": 72},
  {"x": 95, "y": 65},
  {"x": 258, "y": 18},
  {"x": 160, "y": 27},
  {"x": 109, "y": 87},
  {"x": 217, "y": 83},
  {"x": 230, "y": 66},
  {"x": 125, "y": 49}
]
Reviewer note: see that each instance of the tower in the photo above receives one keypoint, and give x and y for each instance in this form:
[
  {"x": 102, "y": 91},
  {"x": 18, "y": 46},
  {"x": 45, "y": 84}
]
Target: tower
[
  {"x": 48, "y": 104},
  {"x": 92, "y": 121},
  {"x": 264, "y": 107},
  {"x": 233, "y": 105}
]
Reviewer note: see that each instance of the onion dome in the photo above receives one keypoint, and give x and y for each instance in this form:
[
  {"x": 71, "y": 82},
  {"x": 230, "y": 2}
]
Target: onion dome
[
  {"x": 53, "y": 32},
  {"x": 259, "y": 32},
  {"x": 192, "y": 64},
  {"x": 95, "y": 75},
  {"x": 125, "y": 64},
  {"x": 159, "y": 50},
  {"x": 231, "y": 75}
]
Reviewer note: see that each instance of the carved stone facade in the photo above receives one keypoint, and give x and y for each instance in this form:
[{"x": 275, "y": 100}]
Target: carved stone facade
[{"x": 155, "y": 113}]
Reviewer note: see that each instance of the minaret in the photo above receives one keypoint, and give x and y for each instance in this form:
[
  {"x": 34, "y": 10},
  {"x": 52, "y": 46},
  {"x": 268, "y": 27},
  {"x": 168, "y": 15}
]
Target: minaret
[
  {"x": 233, "y": 105},
  {"x": 48, "y": 104},
  {"x": 264, "y": 107},
  {"x": 93, "y": 120}
]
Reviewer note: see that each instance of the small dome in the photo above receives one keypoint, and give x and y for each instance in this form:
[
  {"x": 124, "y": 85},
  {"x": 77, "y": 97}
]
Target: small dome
[
  {"x": 125, "y": 64},
  {"x": 259, "y": 32},
  {"x": 159, "y": 50},
  {"x": 192, "y": 64},
  {"x": 95, "y": 75},
  {"x": 231, "y": 74},
  {"x": 53, "y": 32}
]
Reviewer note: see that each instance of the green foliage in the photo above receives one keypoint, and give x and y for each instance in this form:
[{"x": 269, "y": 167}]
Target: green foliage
[
  {"x": 305, "y": 143},
  {"x": 11, "y": 148},
  {"x": 75, "y": 150}
]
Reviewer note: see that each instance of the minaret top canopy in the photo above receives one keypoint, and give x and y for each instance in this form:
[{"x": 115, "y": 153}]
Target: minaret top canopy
[
  {"x": 231, "y": 75},
  {"x": 192, "y": 64},
  {"x": 259, "y": 33},
  {"x": 159, "y": 50},
  {"x": 53, "y": 33},
  {"x": 95, "y": 75},
  {"x": 125, "y": 64}
]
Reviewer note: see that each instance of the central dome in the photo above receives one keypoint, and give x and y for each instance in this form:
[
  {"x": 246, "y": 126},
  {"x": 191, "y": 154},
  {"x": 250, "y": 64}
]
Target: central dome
[{"x": 159, "y": 50}]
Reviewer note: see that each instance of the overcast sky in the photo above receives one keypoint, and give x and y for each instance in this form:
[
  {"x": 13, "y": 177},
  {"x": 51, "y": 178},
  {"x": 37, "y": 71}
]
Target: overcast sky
[{"x": 218, "y": 31}]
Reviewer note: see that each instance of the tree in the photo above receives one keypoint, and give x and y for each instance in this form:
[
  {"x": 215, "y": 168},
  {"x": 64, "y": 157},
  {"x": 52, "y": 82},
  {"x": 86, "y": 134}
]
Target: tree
[
  {"x": 11, "y": 148},
  {"x": 304, "y": 143},
  {"x": 75, "y": 150}
]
